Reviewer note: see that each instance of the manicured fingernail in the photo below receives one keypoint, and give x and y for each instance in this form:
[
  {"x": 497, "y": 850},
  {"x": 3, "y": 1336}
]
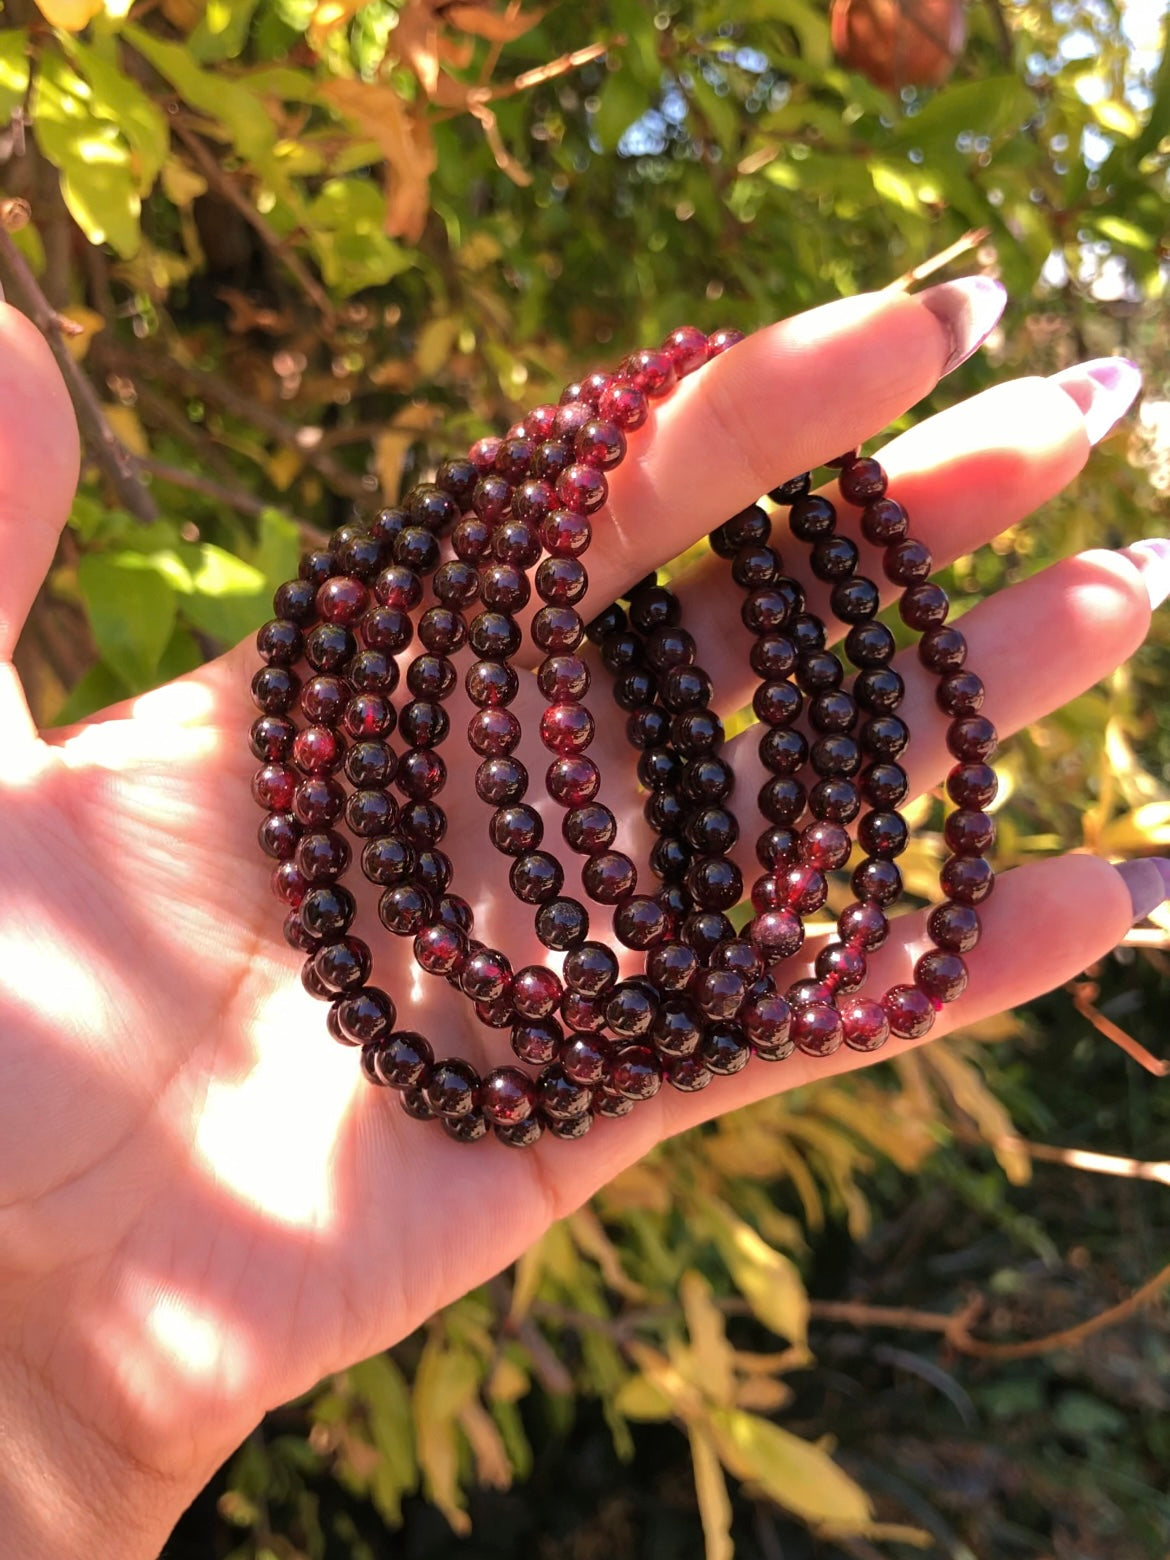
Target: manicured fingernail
[
  {"x": 968, "y": 310},
  {"x": 1104, "y": 389},
  {"x": 1148, "y": 881},
  {"x": 1152, "y": 557}
]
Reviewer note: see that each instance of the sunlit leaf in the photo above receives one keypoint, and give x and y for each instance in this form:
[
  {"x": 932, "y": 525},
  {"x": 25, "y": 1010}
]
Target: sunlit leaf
[
  {"x": 14, "y": 72},
  {"x": 131, "y": 611},
  {"x": 794, "y": 1473},
  {"x": 711, "y": 1488},
  {"x": 768, "y": 1280}
]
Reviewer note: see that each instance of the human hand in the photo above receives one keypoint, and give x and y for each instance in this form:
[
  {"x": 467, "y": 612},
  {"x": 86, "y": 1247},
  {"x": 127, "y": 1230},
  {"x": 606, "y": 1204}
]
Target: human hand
[{"x": 204, "y": 1207}]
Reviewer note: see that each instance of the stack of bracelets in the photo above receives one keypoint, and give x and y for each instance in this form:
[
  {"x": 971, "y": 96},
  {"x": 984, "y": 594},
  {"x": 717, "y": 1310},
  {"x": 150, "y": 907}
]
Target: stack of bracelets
[{"x": 512, "y": 518}]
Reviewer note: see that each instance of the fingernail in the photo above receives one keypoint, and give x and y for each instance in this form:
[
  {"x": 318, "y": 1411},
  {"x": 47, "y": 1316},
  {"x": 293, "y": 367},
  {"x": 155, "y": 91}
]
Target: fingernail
[
  {"x": 1104, "y": 389},
  {"x": 968, "y": 310},
  {"x": 1148, "y": 881},
  {"x": 1152, "y": 557}
]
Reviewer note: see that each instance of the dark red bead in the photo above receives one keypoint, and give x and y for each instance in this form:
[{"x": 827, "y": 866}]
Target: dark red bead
[
  {"x": 536, "y": 991},
  {"x": 278, "y": 836},
  {"x": 941, "y": 974},
  {"x": 274, "y": 787},
  {"x": 841, "y": 966},
  {"x": 524, "y": 1134},
  {"x": 777, "y": 934},
  {"x": 640, "y": 922},
  {"x": 623, "y": 404},
  {"x": 387, "y": 860},
  {"x": 609, "y": 877},
  {"x": 816, "y": 1029},
  {"x": 536, "y": 1040},
  {"x": 877, "y": 880},
  {"x": 972, "y": 785},
  {"x": 592, "y": 968},
  {"x": 634, "y": 1072},
  {"x": 500, "y": 780},
  {"x": 864, "y": 924},
  {"x": 562, "y": 924},
  {"x": 342, "y": 600},
  {"x": 767, "y": 1021},
  {"x": 967, "y": 879},
  {"x": 404, "y": 909},
  {"x": 649, "y": 371},
  {"x": 583, "y": 1058},
  {"x": 322, "y": 856},
  {"x": 825, "y": 845},
  {"x": 909, "y": 1011},
  {"x": 452, "y": 1088},
  {"x": 969, "y": 833},
  {"x": 671, "y": 966},
  {"x": 343, "y": 965},
  {"x": 686, "y": 347},
  {"x": 560, "y": 1098},
  {"x": 317, "y": 750},
  {"x": 404, "y": 1059},
  {"x": 507, "y": 1096},
  {"x": 630, "y": 1008},
  {"x": 677, "y": 1027},
  {"x": 440, "y": 950},
  {"x": 883, "y": 834},
  {"x": 536, "y": 877},
  {"x": 324, "y": 699},
  {"x": 719, "y": 994},
  {"x": 955, "y": 927},
  {"x": 865, "y": 1024},
  {"x": 688, "y": 1074},
  {"x": 724, "y": 1049}
]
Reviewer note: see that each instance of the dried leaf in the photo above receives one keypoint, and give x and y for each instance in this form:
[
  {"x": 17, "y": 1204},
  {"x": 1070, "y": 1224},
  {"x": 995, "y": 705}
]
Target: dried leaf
[
  {"x": 508, "y": 1383},
  {"x": 485, "y": 23},
  {"x": 588, "y": 1232},
  {"x": 404, "y": 139},
  {"x": 492, "y": 1466},
  {"x": 641, "y": 1398},
  {"x": 88, "y": 322}
]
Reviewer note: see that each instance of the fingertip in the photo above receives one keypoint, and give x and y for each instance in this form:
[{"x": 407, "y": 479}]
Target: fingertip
[{"x": 40, "y": 451}]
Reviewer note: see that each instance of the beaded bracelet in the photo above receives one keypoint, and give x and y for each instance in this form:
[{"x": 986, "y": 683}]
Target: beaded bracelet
[{"x": 513, "y": 518}]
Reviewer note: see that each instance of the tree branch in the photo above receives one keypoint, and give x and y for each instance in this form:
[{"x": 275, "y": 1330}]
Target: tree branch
[{"x": 116, "y": 461}]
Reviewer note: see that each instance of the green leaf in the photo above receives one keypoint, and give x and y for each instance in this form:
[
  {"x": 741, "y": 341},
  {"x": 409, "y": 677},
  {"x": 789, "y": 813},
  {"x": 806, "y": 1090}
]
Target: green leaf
[
  {"x": 278, "y": 549},
  {"x": 348, "y": 221},
  {"x": 227, "y": 102},
  {"x": 100, "y": 687},
  {"x": 116, "y": 98},
  {"x": 714, "y": 1501},
  {"x": 623, "y": 102},
  {"x": 14, "y": 72},
  {"x": 794, "y": 1473},
  {"x": 992, "y": 106},
  {"x": 383, "y": 1386},
  {"x": 228, "y": 598},
  {"x": 131, "y": 611},
  {"x": 98, "y": 177},
  {"x": 222, "y": 30}
]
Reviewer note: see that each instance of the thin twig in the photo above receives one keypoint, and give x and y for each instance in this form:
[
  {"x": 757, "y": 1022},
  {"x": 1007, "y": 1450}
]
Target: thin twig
[
  {"x": 1069, "y": 1336},
  {"x": 918, "y": 273},
  {"x": 1084, "y": 993},
  {"x": 1078, "y": 1158},
  {"x": 226, "y": 186},
  {"x": 115, "y": 460},
  {"x": 168, "y": 369},
  {"x": 230, "y": 497}
]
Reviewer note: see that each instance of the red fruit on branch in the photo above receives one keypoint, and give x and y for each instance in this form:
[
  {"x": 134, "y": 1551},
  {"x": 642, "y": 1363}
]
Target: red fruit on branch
[{"x": 899, "y": 43}]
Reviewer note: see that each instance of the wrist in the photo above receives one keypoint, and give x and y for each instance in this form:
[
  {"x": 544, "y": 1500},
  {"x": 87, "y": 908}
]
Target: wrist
[{"x": 67, "y": 1491}]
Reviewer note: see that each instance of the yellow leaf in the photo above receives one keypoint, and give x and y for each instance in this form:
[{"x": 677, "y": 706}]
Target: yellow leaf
[
  {"x": 69, "y": 15},
  {"x": 642, "y": 1187},
  {"x": 969, "y": 1092},
  {"x": 508, "y": 1383},
  {"x": 768, "y": 1280},
  {"x": 796, "y": 1474},
  {"x": 714, "y": 1501},
  {"x": 90, "y": 322},
  {"x": 664, "y": 1375},
  {"x": 488, "y": 24},
  {"x": 124, "y": 421},
  {"x": 435, "y": 341},
  {"x": 404, "y": 139},
  {"x": 283, "y": 466},
  {"x": 587, "y": 1230},
  {"x": 492, "y": 1466},
  {"x": 181, "y": 183},
  {"x": 640, "y": 1398},
  {"x": 1145, "y": 828},
  {"x": 553, "y": 1254},
  {"x": 712, "y": 1352}
]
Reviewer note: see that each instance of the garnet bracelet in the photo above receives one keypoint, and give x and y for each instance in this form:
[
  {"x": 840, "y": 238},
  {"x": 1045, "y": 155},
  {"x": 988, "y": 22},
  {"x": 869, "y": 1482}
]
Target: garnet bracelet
[{"x": 448, "y": 572}]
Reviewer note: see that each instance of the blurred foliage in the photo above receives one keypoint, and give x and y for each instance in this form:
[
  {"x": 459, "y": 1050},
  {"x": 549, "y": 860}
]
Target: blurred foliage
[{"x": 304, "y": 248}]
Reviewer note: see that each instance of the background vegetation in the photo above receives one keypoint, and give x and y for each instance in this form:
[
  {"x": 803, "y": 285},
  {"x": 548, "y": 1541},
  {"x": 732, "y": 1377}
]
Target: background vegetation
[{"x": 291, "y": 253}]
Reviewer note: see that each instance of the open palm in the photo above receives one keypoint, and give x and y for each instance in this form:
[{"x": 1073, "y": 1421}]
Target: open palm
[{"x": 203, "y": 1207}]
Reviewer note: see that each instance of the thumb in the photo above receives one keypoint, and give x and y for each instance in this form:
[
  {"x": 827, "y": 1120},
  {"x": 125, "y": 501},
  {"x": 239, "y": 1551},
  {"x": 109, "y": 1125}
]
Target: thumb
[{"x": 39, "y": 457}]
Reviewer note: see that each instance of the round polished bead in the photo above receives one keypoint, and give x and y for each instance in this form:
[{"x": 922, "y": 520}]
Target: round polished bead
[
  {"x": 910, "y": 1012},
  {"x": 279, "y": 643},
  {"x": 536, "y": 877},
  {"x": 271, "y": 738},
  {"x": 942, "y": 649},
  {"x": 776, "y": 934},
  {"x": 725, "y": 1049},
  {"x": 318, "y": 751},
  {"x": 630, "y": 1009},
  {"x": 812, "y": 518},
  {"x": 404, "y": 1059},
  {"x": 559, "y": 1097},
  {"x": 883, "y": 834},
  {"x": 677, "y": 1027},
  {"x": 967, "y": 879},
  {"x": 634, "y": 1072},
  {"x": 525, "y": 1134},
  {"x": 304, "y": 941},
  {"x": 870, "y": 645},
  {"x": 719, "y": 994},
  {"x": 960, "y": 693},
  {"x": 884, "y": 737},
  {"x": 688, "y": 1074},
  {"x": 972, "y": 739},
  {"x": 782, "y": 800},
  {"x": 825, "y": 845},
  {"x": 767, "y": 1021},
  {"x": 589, "y": 829},
  {"x": 968, "y": 832},
  {"x": 414, "y": 1104},
  {"x": 816, "y": 1029},
  {"x": 582, "y": 1013},
  {"x": 834, "y": 800},
  {"x": 566, "y": 728},
  {"x": 715, "y": 883},
  {"x": 452, "y": 1088},
  {"x": 289, "y": 883},
  {"x": 536, "y": 991},
  {"x": 854, "y": 600},
  {"x": 906, "y": 562},
  {"x": 274, "y": 787},
  {"x": 422, "y": 823},
  {"x": 472, "y": 539},
  {"x": 865, "y": 1024},
  {"x": 639, "y": 922},
  {"x": 582, "y": 488},
  {"x": 885, "y": 786},
  {"x": 941, "y": 974},
  {"x": 327, "y": 912},
  {"x": 516, "y": 829},
  {"x": 650, "y": 371},
  {"x": 440, "y": 950},
  {"x": 955, "y": 927},
  {"x": 686, "y": 347},
  {"x": 623, "y": 404},
  {"x": 705, "y": 930},
  {"x": 571, "y": 1128},
  {"x": 671, "y": 966},
  {"x": 422, "y": 773},
  {"x": 877, "y": 880},
  {"x": 322, "y": 856},
  {"x": 372, "y": 671},
  {"x": 485, "y": 975},
  {"x": 537, "y": 1040},
  {"x": 562, "y": 924},
  {"x": 343, "y": 966},
  {"x": 924, "y": 606},
  {"x": 863, "y": 923},
  {"x": 430, "y": 676},
  {"x": 862, "y": 481},
  {"x": 296, "y": 601},
  {"x": 583, "y": 1058},
  {"x": 609, "y": 877},
  {"x": 834, "y": 558},
  {"x": 500, "y": 780},
  {"x": 507, "y": 1096},
  {"x": 778, "y": 847},
  {"x": 366, "y": 1018},
  {"x": 841, "y": 966},
  {"x": 404, "y": 909},
  {"x": 424, "y": 723}
]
